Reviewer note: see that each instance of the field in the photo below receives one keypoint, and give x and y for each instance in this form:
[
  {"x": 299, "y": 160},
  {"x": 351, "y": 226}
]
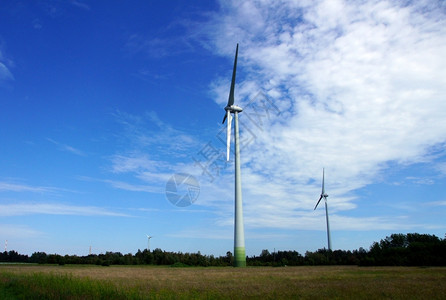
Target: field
[{"x": 153, "y": 282}]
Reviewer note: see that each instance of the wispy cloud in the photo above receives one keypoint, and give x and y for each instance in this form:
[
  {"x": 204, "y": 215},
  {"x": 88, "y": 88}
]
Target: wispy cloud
[
  {"x": 153, "y": 152},
  {"x": 203, "y": 233},
  {"x": 150, "y": 46},
  {"x": 123, "y": 185},
  {"x": 15, "y": 187},
  {"x": 80, "y": 4},
  {"x": 5, "y": 73},
  {"x": 18, "y": 231},
  {"x": 441, "y": 167},
  {"x": 23, "y": 209},
  {"x": 364, "y": 84},
  {"x": 437, "y": 203},
  {"x": 359, "y": 85},
  {"x": 67, "y": 148},
  {"x": 157, "y": 45},
  {"x": 148, "y": 130},
  {"x": 420, "y": 180}
]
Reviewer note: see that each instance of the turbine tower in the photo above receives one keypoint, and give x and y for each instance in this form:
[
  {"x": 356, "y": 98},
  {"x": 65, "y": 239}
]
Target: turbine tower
[
  {"x": 324, "y": 195},
  {"x": 239, "y": 232},
  {"x": 148, "y": 242}
]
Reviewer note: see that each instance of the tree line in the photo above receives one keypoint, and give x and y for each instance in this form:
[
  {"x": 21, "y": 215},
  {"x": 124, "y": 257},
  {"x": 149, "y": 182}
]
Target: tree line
[{"x": 410, "y": 249}]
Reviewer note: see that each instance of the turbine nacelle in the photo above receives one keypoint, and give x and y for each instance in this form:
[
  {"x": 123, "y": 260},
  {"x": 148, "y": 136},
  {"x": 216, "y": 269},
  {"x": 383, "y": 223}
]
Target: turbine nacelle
[
  {"x": 229, "y": 110},
  {"x": 233, "y": 109}
]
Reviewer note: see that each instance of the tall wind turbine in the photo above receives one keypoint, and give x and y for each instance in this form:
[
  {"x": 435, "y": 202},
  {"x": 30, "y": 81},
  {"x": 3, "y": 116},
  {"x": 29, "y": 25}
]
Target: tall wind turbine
[
  {"x": 239, "y": 232},
  {"x": 148, "y": 241},
  {"x": 324, "y": 195}
]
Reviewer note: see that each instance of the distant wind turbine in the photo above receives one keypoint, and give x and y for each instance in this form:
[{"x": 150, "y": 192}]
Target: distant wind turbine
[
  {"x": 239, "y": 232},
  {"x": 6, "y": 245},
  {"x": 148, "y": 242},
  {"x": 324, "y": 195}
]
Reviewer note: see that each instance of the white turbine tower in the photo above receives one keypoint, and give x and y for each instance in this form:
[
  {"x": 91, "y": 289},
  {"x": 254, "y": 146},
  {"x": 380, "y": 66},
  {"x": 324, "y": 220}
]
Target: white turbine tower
[
  {"x": 324, "y": 195},
  {"x": 148, "y": 241},
  {"x": 239, "y": 232},
  {"x": 6, "y": 245}
]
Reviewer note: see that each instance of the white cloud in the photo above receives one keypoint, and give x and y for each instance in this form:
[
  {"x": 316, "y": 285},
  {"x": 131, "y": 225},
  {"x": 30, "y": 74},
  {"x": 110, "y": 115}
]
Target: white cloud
[
  {"x": 67, "y": 148},
  {"x": 202, "y": 233},
  {"x": 364, "y": 82},
  {"x": 148, "y": 130},
  {"x": 22, "y": 209},
  {"x": 5, "y": 74},
  {"x": 80, "y": 4},
  {"x": 123, "y": 164},
  {"x": 18, "y": 231},
  {"x": 359, "y": 85},
  {"x": 133, "y": 187},
  {"x": 153, "y": 152},
  {"x": 441, "y": 168},
  {"x": 437, "y": 203},
  {"x": 15, "y": 187}
]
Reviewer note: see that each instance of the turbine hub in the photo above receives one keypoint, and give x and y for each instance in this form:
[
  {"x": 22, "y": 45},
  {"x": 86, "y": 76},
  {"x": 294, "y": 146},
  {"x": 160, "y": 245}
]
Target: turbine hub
[
  {"x": 324, "y": 195},
  {"x": 233, "y": 108}
]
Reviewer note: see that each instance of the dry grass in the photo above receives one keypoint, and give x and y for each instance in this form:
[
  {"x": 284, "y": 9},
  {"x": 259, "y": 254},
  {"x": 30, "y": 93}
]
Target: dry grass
[{"x": 341, "y": 282}]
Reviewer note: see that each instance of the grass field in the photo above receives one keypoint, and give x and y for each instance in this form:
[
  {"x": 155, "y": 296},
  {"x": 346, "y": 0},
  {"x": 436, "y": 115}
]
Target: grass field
[{"x": 151, "y": 282}]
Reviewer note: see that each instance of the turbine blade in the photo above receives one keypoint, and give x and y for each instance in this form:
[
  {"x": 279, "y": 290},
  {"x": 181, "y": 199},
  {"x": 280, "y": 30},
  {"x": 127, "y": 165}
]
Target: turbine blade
[
  {"x": 224, "y": 119},
  {"x": 228, "y": 135},
  {"x": 323, "y": 175},
  {"x": 231, "y": 92},
  {"x": 318, "y": 202}
]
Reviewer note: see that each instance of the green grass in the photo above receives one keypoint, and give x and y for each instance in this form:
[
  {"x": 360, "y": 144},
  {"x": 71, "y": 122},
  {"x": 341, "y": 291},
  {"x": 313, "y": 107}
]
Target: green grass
[
  {"x": 147, "y": 282},
  {"x": 60, "y": 286}
]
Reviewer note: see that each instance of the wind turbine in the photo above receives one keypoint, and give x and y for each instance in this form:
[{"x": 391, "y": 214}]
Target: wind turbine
[
  {"x": 239, "y": 232},
  {"x": 324, "y": 195},
  {"x": 148, "y": 241}
]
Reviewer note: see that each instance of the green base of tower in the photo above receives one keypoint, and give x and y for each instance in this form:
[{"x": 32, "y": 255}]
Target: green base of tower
[{"x": 239, "y": 257}]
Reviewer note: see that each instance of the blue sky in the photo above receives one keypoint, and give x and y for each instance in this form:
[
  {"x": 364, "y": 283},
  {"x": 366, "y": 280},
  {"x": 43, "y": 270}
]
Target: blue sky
[{"x": 102, "y": 102}]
